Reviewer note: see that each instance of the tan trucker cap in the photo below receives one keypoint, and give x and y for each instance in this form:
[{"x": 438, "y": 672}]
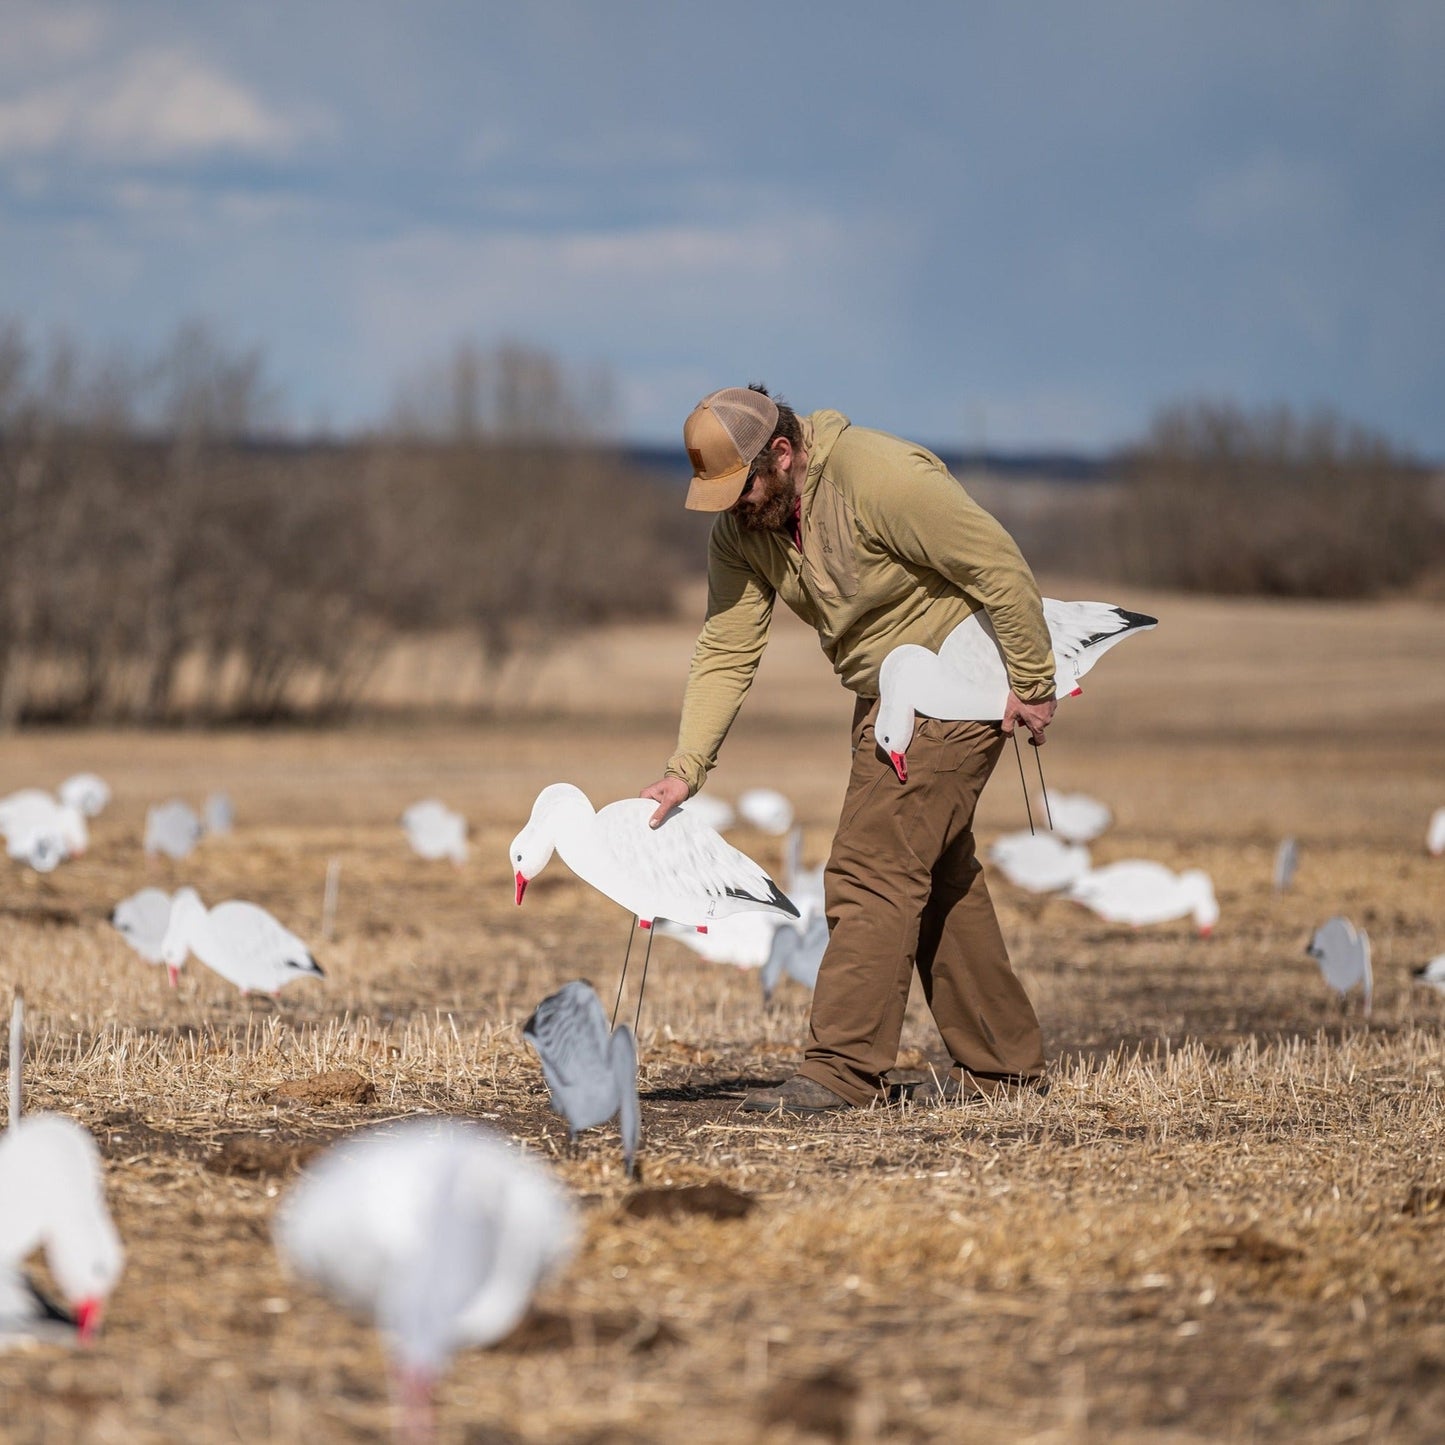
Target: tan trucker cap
[{"x": 723, "y": 435}]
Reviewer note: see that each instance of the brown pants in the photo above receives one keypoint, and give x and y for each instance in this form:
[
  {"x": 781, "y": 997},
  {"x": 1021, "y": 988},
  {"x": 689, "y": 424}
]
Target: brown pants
[{"x": 905, "y": 890}]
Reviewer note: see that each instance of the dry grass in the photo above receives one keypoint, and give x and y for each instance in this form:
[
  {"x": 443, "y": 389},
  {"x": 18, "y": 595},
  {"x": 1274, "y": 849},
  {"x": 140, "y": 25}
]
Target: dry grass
[{"x": 1224, "y": 1221}]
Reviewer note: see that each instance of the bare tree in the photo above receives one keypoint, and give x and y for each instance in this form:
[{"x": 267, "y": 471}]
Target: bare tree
[
  {"x": 150, "y": 535},
  {"x": 1222, "y": 499}
]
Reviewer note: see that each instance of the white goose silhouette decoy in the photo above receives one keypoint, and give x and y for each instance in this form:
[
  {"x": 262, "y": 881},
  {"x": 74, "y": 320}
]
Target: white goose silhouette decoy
[
  {"x": 1343, "y": 954},
  {"x": 767, "y": 810},
  {"x": 52, "y": 1197},
  {"x": 1435, "y": 834},
  {"x": 1039, "y": 862},
  {"x": 1432, "y": 974},
  {"x": 741, "y": 940},
  {"x": 1140, "y": 892},
  {"x": 435, "y": 831},
  {"x": 965, "y": 680},
  {"x": 437, "y": 1230},
  {"x": 796, "y": 953},
  {"x": 1286, "y": 864},
  {"x": 591, "y": 1070},
  {"x": 713, "y": 811},
  {"x": 173, "y": 828},
  {"x": 142, "y": 920},
  {"x": 682, "y": 870},
  {"x": 86, "y": 792},
  {"x": 40, "y": 830},
  {"x": 1076, "y": 817},
  {"x": 219, "y": 815},
  {"x": 240, "y": 941}
]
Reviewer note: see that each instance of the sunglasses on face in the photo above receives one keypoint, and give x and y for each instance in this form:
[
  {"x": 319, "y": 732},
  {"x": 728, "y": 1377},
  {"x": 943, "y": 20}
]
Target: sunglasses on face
[{"x": 763, "y": 463}]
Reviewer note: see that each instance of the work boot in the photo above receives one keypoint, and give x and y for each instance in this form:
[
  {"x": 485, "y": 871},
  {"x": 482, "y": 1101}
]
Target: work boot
[
  {"x": 973, "y": 1090},
  {"x": 794, "y": 1096}
]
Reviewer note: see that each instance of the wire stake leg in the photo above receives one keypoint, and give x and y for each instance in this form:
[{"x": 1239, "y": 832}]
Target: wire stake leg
[
  {"x": 618, "y": 1004},
  {"x": 1044, "y": 788},
  {"x": 1023, "y": 782},
  {"x": 642, "y": 987}
]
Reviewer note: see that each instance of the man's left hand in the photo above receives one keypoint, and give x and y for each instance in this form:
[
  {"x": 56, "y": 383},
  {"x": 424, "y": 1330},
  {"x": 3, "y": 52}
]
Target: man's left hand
[{"x": 1035, "y": 716}]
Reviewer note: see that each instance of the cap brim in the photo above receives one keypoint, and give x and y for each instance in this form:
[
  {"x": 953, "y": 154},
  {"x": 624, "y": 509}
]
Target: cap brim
[{"x": 716, "y": 494}]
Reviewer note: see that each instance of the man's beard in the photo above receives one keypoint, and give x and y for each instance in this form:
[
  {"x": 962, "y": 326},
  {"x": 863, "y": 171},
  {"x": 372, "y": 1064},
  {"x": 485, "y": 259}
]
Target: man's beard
[{"x": 769, "y": 506}]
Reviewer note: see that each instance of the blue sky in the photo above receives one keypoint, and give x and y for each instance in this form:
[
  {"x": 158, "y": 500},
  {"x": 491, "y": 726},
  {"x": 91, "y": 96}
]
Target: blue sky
[{"x": 1024, "y": 224}]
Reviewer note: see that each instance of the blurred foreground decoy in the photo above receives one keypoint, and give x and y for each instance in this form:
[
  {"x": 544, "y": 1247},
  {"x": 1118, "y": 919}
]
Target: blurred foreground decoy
[
  {"x": 436, "y": 1229},
  {"x": 52, "y": 1197}
]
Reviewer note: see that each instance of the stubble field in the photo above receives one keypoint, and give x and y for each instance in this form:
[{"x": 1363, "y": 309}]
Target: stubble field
[{"x": 1225, "y": 1222}]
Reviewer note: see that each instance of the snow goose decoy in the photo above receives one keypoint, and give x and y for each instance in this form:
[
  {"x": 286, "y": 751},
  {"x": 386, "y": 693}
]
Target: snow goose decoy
[
  {"x": 796, "y": 953},
  {"x": 767, "y": 810},
  {"x": 1077, "y": 818},
  {"x": 1343, "y": 954},
  {"x": 682, "y": 870},
  {"x": 741, "y": 940},
  {"x": 41, "y": 831},
  {"x": 86, "y": 792},
  {"x": 219, "y": 815},
  {"x": 1286, "y": 864},
  {"x": 591, "y": 1071},
  {"x": 240, "y": 941},
  {"x": 435, "y": 831},
  {"x": 173, "y": 828},
  {"x": 1039, "y": 862},
  {"x": 1432, "y": 974},
  {"x": 1435, "y": 834},
  {"x": 52, "y": 1197},
  {"x": 965, "y": 680},
  {"x": 142, "y": 920},
  {"x": 437, "y": 1230},
  {"x": 712, "y": 811},
  {"x": 1138, "y": 892},
  {"x": 748, "y": 940}
]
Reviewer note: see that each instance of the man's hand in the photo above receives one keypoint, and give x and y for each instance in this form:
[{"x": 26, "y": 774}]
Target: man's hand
[
  {"x": 667, "y": 793},
  {"x": 1035, "y": 716}
]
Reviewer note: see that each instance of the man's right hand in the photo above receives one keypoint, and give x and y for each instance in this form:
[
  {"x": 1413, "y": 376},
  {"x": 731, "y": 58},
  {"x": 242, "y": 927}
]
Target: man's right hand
[
  {"x": 667, "y": 793},
  {"x": 1035, "y": 716}
]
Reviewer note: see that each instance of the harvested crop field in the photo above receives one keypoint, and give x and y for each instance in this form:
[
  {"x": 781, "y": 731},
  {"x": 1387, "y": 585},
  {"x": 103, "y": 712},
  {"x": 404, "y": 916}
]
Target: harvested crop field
[{"x": 1226, "y": 1221}]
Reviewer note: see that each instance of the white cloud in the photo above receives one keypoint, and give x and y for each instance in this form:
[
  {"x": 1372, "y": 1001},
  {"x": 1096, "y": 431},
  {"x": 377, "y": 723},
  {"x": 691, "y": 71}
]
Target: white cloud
[
  {"x": 425, "y": 288},
  {"x": 154, "y": 105},
  {"x": 673, "y": 303},
  {"x": 35, "y": 36}
]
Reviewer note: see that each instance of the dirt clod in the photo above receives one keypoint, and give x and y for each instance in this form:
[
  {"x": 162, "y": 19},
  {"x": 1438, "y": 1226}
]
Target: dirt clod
[
  {"x": 334, "y": 1086},
  {"x": 546, "y": 1330},
  {"x": 256, "y": 1156},
  {"x": 711, "y": 1201},
  {"x": 1253, "y": 1246},
  {"x": 824, "y": 1403}
]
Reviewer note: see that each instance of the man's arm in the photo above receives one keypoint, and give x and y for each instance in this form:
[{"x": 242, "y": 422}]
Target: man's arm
[{"x": 724, "y": 662}]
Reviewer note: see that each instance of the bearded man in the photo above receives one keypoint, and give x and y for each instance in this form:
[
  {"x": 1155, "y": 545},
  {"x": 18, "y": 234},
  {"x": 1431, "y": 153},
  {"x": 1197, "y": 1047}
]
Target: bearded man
[{"x": 871, "y": 541}]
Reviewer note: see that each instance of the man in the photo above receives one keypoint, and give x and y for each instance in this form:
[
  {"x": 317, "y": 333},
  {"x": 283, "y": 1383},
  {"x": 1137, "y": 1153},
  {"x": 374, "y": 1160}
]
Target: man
[{"x": 872, "y": 542}]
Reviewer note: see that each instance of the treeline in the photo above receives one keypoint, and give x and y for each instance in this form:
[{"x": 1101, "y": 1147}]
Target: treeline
[
  {"x": 1223, "y": 499},
  {"x": 159, "y": 565}
]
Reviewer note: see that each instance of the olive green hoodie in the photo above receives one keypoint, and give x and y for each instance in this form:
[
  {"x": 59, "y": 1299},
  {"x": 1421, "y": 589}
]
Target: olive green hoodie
[{"x": 894, "y": 550}]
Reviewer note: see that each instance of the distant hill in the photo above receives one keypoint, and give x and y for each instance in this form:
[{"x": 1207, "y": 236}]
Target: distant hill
[{"x": 1038, "y": 466}]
